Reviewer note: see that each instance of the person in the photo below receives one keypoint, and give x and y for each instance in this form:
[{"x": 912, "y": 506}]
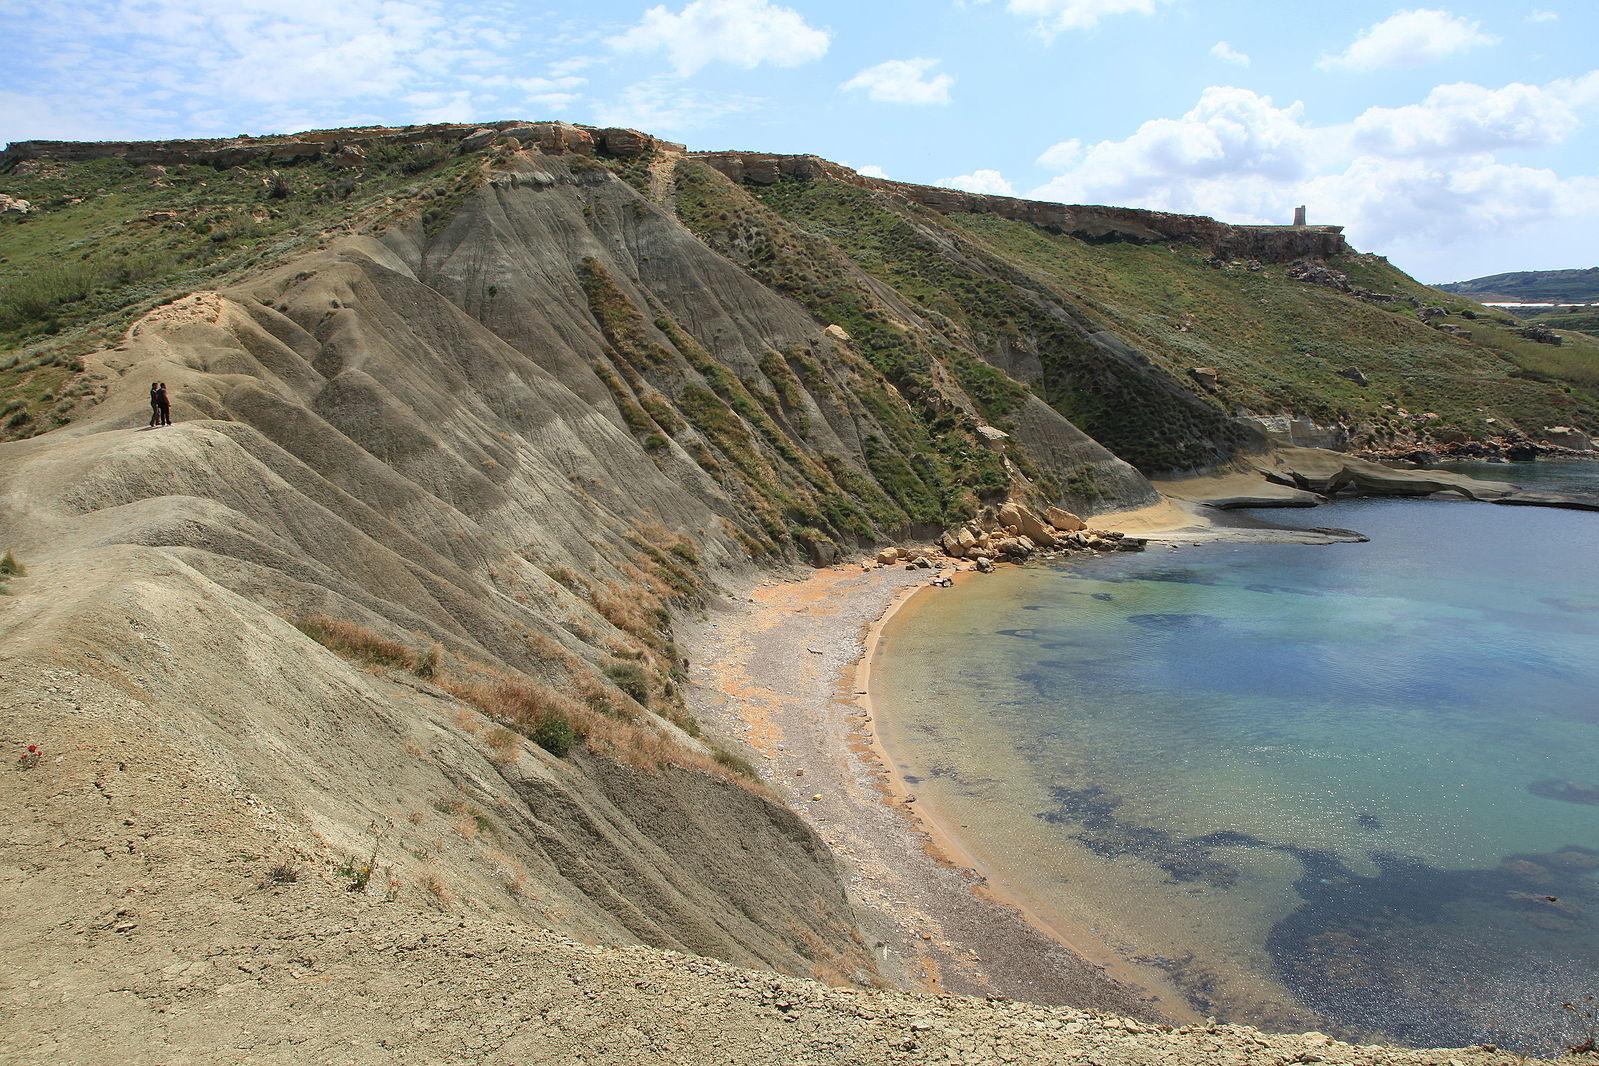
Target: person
[
  {"x": 166, "y": 405},
  {"x": 155, "y": 405}
]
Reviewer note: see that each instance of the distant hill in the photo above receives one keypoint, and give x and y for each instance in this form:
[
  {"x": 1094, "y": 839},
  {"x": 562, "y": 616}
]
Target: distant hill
[{"x": 1532, "y": 286}]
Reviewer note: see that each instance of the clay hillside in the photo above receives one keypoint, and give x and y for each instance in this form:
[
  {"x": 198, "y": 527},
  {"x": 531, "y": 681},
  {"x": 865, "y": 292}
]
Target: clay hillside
[{"x": 358, "y": 700}]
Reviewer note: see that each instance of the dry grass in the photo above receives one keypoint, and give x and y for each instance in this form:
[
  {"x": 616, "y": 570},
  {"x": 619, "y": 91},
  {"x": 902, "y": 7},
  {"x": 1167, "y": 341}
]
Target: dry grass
[
  {"x": 504, "y": 744},
  {"x": 433, "y": 881},
  {"x": 598, "y": 720},
  {"x": 355, "y": 641}
]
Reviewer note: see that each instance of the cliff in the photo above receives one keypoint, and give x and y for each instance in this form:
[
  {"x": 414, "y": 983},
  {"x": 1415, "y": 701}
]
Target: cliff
[{"x": 1274, "y": 244}]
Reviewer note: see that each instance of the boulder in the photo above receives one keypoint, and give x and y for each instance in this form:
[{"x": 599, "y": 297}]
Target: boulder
[
  {"x": 837, "y": 332},
  {"x": 1567, "y": 437},
  {"x": 10, "y": 205},
  {"x": 1353, "y": 373},
  {"x": 1063, "y": 520},
  {"x": 1208, "y": 377},
  {"x": 623, "y": 143},
  {"x": 1026, "y": 523},
  {"x": 888, "y": 555},
  {"x": 290, "y": 151},
  {"x": 351, "y": 155},
  {"x": 992, "y": 434},
  {"x": 479, "y": 139},
  {"x": 1541, "y": 334},
  {"x": 985, "y": 565}
]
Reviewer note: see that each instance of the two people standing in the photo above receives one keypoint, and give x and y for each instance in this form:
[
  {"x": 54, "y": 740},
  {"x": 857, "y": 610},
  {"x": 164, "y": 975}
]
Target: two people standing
[{"x": 160, "y": 405}]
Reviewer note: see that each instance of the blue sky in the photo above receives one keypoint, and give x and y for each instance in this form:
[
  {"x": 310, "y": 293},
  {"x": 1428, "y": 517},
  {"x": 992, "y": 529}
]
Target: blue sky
[{"x": 1458, "y": 139}]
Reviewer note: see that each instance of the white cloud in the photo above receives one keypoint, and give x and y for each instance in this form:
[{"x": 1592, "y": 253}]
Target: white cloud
[
  {"x": 1228, "y": 54},
  {"x": 1464, "y": 118},
  {"x": 983, "y": 181},
  {"x": 1409, "y": 39},
  {"x": 1062, "y": 156},
  {"x": 903, "y": 81},
  {"x": 1540, "y": 15},
  {"x": 664, "y": 105},
  {"x": 871, "y": 170},
  {"x": 154, "y": 68},
  {"x": 1055, "y": 16},
  {"x": 1420, "y": 180},
  {"x": 744, "y": 33}
]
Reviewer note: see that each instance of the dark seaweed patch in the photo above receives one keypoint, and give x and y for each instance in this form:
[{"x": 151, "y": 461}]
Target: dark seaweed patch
[
  {"x": 1175, "y": 621},
  {"x": 1380, "y": 954},
  {"x": 1584, "y": 792}
]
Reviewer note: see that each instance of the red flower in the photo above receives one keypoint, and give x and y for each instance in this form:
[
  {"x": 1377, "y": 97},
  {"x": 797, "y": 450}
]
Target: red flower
[{"x": 33, "y": 749}]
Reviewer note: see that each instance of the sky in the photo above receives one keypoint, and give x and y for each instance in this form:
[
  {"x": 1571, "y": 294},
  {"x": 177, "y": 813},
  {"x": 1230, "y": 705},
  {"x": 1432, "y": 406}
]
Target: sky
[{"x": 1458, "y": 140}]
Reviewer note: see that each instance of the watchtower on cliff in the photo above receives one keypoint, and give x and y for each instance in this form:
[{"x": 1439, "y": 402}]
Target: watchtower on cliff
[{"x": 1299, "y": 215}]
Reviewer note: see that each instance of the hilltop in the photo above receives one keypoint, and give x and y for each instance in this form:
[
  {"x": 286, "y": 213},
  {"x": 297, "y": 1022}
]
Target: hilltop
[
  {"x": 368, "y": 672},
  {"x": 1532, "y": 286}
]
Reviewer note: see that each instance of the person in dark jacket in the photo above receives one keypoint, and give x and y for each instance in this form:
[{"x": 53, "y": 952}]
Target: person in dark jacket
[
  {"x": 155, "y": 405},
  {"x": 166, "y": 405}
]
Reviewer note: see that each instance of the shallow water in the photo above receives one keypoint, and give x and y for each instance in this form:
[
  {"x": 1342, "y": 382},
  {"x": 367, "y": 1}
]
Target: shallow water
[{"x": 1315, "y": 786}]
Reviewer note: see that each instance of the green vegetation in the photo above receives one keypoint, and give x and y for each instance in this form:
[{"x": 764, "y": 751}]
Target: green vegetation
[
  {"x": 1578, "y": 320},
  {"x": 930, "y": 465},
  {"x": 1280, "y": 344},
  {"x": 9, "y": 567},
  {"x": 109, "y": 240},
  {"x": 974, "y": 295}
]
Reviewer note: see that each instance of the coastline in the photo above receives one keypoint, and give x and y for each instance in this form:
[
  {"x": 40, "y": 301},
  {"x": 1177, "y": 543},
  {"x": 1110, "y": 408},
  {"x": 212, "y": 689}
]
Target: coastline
[
  {"x": 784, "y": 666},
  {"x": 943, "y": 839},
  {"x": 776, "y": 668}
]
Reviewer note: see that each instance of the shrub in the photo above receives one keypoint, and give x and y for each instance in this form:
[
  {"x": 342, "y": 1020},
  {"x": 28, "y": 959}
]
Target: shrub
[
  {"x": 431, "y": 665},
  {"x": 543, "y": 715},
  {"x": 631, "y": 679},
  {"x": 554, "y": 735},
  {"x": 9, "y": 567}
]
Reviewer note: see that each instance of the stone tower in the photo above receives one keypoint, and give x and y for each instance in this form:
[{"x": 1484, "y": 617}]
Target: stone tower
[{"x": 1299, "y": 216}]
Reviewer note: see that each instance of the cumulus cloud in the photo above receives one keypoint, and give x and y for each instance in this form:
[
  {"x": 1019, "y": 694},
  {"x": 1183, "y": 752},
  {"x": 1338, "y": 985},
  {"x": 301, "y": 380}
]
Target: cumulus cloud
[
  {"x": 1409, "y": 39},
  {"x": 983, "y": 181},
  {"x": 1062, "y": 156},
  {"x": 744, "y": 33},
  {"x": 1464, "y": 118},
  {"x": 1053, "y": 17},
  {"x": 902, "y": 81},
  {"x": 1423, "y": 176},
  {"x": 1228, "y": 54},
  {"x": 871, "y": 170}
]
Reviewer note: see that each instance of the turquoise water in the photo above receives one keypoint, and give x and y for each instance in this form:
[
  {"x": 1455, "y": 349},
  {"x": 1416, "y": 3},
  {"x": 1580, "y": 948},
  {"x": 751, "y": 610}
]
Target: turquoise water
[{"x": 1331, "y": 786}]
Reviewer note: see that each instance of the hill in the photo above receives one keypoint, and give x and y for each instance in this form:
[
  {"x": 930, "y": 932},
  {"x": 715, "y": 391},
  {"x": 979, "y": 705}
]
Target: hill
[
  {"x": 1532, "y": 286},
  {"x": 366, "y": 673}
]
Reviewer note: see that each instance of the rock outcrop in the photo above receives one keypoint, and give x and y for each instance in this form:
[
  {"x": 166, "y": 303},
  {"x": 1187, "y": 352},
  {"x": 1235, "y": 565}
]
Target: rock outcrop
[{"x": 346, "y": 147}]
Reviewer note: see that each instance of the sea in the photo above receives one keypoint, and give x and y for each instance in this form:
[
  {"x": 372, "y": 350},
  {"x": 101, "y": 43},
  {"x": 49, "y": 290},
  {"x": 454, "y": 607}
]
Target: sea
[{"x": 1351, "y": 787}]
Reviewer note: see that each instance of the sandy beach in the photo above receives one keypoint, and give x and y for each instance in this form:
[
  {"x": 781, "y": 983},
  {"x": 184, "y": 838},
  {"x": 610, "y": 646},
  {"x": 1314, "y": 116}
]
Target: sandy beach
[{"x": 786, "y": 672}]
